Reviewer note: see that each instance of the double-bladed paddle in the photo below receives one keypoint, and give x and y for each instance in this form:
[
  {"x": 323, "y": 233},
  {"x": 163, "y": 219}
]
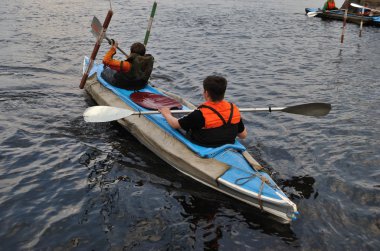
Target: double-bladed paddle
[{"x": 110, "y": 113}]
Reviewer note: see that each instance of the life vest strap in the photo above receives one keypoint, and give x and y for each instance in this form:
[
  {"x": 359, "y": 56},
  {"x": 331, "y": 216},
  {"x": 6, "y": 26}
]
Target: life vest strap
[
  {"x": 215, "y": 111},
  {"x": 231, "y": 114}
]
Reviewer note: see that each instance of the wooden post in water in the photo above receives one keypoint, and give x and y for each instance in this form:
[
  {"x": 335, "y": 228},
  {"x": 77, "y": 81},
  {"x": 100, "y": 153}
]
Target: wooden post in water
[
  {"x": 361, "y": 23},
  {"x": 150, "y": 23},
  {"x": 96, "y": 48},
  {"x": 344, "y": 26}
]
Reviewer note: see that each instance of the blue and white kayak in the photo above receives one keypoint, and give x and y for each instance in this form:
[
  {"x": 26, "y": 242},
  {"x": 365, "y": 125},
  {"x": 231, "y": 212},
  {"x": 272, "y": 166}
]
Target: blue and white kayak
[{"x": 229, "y": 169}]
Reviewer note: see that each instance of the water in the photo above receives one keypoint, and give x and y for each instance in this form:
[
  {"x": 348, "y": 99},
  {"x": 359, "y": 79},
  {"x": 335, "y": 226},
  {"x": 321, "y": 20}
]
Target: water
[{"x": 66, "y": 184}]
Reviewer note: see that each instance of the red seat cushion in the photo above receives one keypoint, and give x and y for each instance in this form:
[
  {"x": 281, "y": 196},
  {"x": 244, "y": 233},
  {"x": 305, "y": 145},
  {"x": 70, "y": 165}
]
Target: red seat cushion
[{"x": 154, "y": 101}]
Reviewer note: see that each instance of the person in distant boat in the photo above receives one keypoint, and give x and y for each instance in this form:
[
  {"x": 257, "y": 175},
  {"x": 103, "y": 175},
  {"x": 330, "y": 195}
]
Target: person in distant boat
[
  {"x": 364, "y": 11},
  {"x": 216, "y": 122},
  {"x": 132, "y": 73},
  {"x": 329, "y": 5}
]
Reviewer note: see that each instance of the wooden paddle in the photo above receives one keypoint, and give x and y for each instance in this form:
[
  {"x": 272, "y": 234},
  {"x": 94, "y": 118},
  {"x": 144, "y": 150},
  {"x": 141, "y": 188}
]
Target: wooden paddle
[
  {"x": 110, "y": 113},
  {"x": 96, "y": 47}
]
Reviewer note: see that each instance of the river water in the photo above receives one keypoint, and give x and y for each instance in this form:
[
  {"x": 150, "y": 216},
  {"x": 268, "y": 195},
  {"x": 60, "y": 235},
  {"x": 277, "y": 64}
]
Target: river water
[{"x": 69, "y": 185}]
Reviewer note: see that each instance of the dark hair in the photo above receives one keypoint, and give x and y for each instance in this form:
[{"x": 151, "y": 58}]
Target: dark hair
[
  {"x": 215, "y": 86},
  {"x": 138, "y": 48}
]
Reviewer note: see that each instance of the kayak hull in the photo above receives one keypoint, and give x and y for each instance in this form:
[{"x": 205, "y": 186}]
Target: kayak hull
[
  {"x": 351, "y": 18},
  {"x": 228, "y": 169}
]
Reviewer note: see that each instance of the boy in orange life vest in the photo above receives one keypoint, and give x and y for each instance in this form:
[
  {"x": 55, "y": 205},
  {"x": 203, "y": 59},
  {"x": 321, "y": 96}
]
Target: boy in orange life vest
[
  {"x": 131, "y": 74},
  {"x": 216, "y": 122}
]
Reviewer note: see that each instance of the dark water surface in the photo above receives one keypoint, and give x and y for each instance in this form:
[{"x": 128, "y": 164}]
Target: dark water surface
[{"x": 68, "y": 185}]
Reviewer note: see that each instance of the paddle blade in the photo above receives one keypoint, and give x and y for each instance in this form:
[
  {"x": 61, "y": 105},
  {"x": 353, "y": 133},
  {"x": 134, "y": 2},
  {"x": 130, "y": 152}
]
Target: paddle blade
[
  {"x": 311, "y": 109},
  {"x": 358, "y": 6},
  {"x": 105, "y": 113},
  {"x": 96, "y": 27},
  {"x": 312, "y": 14}
]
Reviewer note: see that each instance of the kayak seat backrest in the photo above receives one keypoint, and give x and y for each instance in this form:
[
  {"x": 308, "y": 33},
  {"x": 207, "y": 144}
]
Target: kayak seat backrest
[{"x": 205, "y": 152}]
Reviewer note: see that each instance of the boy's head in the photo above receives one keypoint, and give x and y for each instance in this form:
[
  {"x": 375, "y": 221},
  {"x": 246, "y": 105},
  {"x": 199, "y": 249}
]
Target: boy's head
[
  {"x": 215, "y": 87},
  {"x": 138, "y": 48}
]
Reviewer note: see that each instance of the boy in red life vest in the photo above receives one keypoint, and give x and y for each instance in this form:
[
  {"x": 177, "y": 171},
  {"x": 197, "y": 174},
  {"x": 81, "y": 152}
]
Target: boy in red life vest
[
  {"x": 216, "y": 122},
  {"x": 132, "y": 73},
  {"x": 329, "y": 5}
]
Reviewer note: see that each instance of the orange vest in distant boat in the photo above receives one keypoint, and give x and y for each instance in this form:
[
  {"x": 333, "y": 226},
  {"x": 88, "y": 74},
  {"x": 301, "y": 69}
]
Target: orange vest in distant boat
[
  {"x": 331, "y": 5},
  {"x": 213, "y": 119}
]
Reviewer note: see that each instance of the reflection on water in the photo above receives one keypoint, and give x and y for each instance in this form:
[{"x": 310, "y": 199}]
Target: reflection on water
[
  {"x": 202, "y": 215},
  {"x": 301, "y": 187}
]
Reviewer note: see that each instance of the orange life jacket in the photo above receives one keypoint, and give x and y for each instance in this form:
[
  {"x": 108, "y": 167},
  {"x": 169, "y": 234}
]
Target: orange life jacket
[
  {"x": 221, "y": 124},
  {"x": 222, "y": 116}
]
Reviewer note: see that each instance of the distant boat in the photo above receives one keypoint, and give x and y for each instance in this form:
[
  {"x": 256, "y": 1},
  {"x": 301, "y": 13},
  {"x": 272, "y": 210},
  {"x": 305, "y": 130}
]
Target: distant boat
[{"x": 354, "y": 13}]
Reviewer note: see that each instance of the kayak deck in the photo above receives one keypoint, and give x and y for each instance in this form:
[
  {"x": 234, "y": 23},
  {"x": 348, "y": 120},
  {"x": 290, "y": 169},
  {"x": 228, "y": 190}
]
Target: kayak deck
[{"x": 225, "y": 169}]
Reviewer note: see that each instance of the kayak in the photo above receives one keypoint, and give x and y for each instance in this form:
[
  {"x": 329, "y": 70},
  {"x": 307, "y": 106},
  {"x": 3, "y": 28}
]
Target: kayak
[
  {"x": 339, "y": 15},
  {"x": 229, "y": 169}
]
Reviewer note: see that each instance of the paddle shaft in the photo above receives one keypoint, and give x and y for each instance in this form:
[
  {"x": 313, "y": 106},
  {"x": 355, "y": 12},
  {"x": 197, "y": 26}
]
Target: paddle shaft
[
  {"x": 153, "y": 12},
  {"x": 96, "y": 48},
  {"x": 109, "y": 41},
  {"x": 267, "y": 109}
]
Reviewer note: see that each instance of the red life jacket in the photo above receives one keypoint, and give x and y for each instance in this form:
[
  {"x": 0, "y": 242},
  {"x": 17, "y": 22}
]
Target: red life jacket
[
  {"x": 330, "y": 5},
  {"x": 218, "y": 114}
]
